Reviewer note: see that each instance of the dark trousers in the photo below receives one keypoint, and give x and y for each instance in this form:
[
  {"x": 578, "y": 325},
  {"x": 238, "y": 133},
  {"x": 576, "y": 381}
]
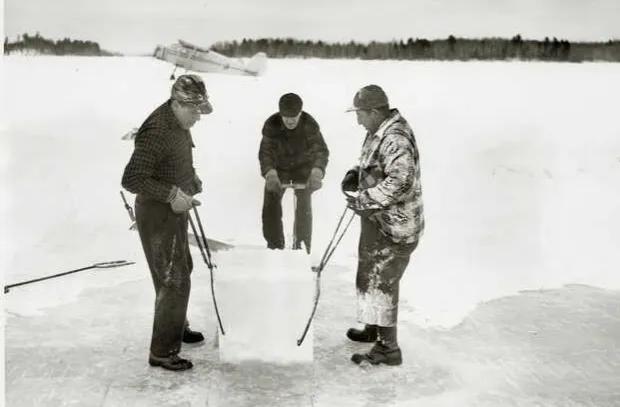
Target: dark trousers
[
  {"x": 272, "y": 213},
  {"x": 164, "y": 240}
]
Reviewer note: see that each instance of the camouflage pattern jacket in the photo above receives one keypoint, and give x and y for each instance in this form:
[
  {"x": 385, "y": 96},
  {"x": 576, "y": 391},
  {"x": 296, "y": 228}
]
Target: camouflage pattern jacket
[
  {"x": 162, "y": 158},
  {"x": 389, "y": 180}
]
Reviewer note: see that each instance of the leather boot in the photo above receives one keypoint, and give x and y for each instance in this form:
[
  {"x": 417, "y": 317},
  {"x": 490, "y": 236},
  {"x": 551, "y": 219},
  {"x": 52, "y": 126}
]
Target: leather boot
[
  {"x": 368, "y": 334},
  {"x": 379, "y": 354},
  {"x": 190, "y": 336},
  {"x": 384, "y": 351},
  {"x": 387, "y": 336},
  {"x": 172, "y": 362}
]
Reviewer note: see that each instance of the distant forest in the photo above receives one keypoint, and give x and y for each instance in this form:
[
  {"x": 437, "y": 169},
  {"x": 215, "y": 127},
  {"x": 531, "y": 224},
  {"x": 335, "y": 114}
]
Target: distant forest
[
  {"x": 37, "y": 44},
  {"x": 451, "y": 48}
]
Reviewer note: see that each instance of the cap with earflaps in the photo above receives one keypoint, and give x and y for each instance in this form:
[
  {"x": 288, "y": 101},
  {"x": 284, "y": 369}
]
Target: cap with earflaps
[
  {"x": 369, "y": 97},
  {"x": 290, "y": 104},
  {"x": 190, "y": 89}
]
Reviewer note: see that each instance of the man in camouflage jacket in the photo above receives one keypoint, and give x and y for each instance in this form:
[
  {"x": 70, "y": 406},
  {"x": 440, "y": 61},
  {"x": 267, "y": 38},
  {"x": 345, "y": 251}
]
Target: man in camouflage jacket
[
  {"x": 389, "y": 202},
  {"x": 292, "y": 150},
  {"x": 162, "y": 174}
]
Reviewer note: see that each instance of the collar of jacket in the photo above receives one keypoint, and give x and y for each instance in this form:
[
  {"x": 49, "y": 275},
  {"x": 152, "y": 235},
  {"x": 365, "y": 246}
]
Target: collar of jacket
[
  {"x": 299, "y": 123},
  {"x": 170, "y": 116},
  {"x": 391, "y": 119}
]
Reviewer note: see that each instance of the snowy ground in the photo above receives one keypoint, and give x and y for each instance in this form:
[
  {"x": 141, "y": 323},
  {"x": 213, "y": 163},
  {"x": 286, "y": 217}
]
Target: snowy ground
[{"x": 520, "y": 166}]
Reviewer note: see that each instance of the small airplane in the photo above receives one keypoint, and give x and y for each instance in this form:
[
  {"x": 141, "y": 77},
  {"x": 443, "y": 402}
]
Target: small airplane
[{"x": 195, "y": 58}]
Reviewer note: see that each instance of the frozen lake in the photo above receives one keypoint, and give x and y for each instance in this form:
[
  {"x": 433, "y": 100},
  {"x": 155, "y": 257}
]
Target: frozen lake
[
  {"x": 520, "y": 161},
  {"x": 520, "y": 173}
]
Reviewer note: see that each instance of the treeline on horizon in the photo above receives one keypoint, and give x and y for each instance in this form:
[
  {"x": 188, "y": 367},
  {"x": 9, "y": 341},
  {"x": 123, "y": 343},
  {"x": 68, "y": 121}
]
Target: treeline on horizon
[
  {"x": 28, "y": 43},
  {"x": 451, "y": 48}
]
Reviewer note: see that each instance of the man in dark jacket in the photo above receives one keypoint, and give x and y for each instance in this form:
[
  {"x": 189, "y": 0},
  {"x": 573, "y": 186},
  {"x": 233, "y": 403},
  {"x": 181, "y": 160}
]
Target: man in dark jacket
[
  {"x": 162, "y": 175},
  {"x": 292, "y": 150}
]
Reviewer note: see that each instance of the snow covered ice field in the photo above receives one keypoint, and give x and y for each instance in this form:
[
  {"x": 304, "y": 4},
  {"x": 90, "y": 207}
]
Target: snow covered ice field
[{"x": 510, "y": 299}]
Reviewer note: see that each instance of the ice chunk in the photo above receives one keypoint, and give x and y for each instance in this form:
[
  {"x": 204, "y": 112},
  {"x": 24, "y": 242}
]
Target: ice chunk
[{"x": 265, "y": 298}]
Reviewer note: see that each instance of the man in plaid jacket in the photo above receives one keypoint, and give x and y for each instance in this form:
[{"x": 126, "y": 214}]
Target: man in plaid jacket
[
  {"x": 389, "y": 202},
  {"x": 162, "y": 175}
]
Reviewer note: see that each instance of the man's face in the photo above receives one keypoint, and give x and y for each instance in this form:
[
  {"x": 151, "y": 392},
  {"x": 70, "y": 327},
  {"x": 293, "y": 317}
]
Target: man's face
[
  {"x": 187, "y": 114},
  {"x": 291, "y": 122},
  {"x": 367, "y": 119}
]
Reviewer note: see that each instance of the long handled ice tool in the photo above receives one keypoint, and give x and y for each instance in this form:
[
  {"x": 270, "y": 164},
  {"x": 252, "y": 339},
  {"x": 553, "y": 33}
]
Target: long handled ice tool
[
  {"x": 102, "y": 265},
  {"x": 206, "y": 256},
  {"x": 129, "y": 211},
  {"x": 295, "y": 186},
  {"x": 327, "y": 254}
]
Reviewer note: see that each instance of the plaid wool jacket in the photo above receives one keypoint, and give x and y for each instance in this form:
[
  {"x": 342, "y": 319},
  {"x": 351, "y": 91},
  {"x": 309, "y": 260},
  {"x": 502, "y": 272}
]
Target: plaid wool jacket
[
  {"x": 389, "y": 180},
  {"x": 162, "y": 158}
]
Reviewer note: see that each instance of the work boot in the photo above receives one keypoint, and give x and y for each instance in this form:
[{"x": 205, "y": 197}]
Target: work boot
[
  {"x": 387, "y": 336},
  {"x": 385, "y": 350},
  {"x": 368, "y": 334},
  {"x": 379, "y": 353},
  {"x": 190, "y": 336},
  {"x": 172, "y": 362}
]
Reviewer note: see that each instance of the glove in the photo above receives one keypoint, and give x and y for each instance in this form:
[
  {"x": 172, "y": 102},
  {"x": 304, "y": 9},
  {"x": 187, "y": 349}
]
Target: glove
[
  {"x": 353, "y": 203},
  {"x": 182, "y": 202},
  {"x": 350, "y": 182},
  {"x": 315, "y": 179},
  {"x": 272, "y": 182},
  {"x": 197, "y": 184}
]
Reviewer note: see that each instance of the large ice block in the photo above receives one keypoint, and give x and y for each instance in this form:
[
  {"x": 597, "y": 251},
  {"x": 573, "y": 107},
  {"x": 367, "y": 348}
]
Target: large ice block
[{"x": 265, "y": 298}]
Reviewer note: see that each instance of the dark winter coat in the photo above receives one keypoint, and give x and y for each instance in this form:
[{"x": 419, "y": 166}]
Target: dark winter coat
[
  {"x": 302, "y": 148},
  {"x": 162, "y": 157}
]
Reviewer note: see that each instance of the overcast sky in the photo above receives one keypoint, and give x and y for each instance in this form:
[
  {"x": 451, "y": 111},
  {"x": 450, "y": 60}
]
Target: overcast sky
[{"x": 136, "y": 26}]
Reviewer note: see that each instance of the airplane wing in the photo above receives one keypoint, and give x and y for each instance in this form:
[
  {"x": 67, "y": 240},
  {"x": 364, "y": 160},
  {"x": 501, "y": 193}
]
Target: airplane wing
[{"x": 192, "y": 46}]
